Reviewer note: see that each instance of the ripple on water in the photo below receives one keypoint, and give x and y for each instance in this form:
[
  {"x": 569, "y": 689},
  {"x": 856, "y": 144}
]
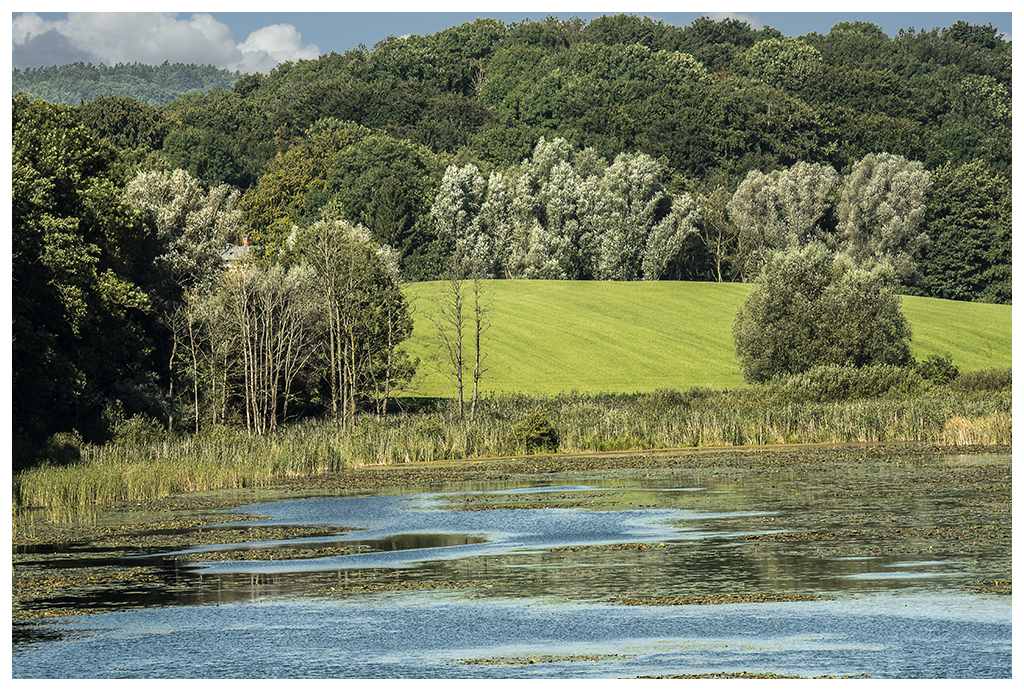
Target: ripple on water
[
  {"x": 525, "y": 579},
  {"x": 486, "y": 533},
  {"x": 399, "y": 636}
]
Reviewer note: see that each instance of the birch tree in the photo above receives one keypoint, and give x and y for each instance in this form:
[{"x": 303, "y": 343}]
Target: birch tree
[
  {"x": 187, "y": 229},
  {"x": 481, "y": 325},
  {"x": 278, "y": 320},
  {"x": 449, "y": 319},
  {"x": 367, "y": 317}
]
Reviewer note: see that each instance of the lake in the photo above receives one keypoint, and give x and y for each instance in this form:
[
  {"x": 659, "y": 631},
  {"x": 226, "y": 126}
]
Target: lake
[{"x": 878, "y": 562}]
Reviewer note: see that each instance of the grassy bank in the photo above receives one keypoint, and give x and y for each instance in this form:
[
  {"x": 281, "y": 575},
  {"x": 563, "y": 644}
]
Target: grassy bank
[
  {"x": 669, "y": 342},
  {"x": 507, "y": 425},
  {"x": 550, "y": 337}
]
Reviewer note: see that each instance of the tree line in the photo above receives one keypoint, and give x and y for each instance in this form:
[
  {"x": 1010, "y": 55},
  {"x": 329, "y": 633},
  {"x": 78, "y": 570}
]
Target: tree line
[
  {"x": 619, "y": 149},
  {"x": 709, "y": 102},
  {"x": 571, "y": 215},
  {"x": 153, "y": 84},
  {"x": 125, "y": 309}
]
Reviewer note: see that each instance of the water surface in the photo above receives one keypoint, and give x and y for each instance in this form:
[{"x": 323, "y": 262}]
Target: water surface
[
  {"x": 631, "y": 572},
  {"x": 415, "y": 636}
]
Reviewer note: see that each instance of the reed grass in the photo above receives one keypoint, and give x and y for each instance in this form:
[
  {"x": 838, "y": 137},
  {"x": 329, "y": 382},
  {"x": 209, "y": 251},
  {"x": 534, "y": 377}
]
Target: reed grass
[{"x": 224, "y": 458}]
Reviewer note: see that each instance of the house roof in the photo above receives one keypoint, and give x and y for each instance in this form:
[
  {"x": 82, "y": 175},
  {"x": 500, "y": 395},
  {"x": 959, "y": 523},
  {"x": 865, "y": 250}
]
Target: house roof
[{"x": 234, "y": 253}]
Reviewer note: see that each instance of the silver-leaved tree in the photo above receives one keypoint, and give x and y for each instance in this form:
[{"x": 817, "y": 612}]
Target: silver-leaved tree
[{"x": 564, "y": 214}]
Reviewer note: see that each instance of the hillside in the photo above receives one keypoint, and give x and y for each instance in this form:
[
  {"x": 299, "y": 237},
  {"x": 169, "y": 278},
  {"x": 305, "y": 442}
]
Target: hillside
[
  {"x": 616, "y": 149},
  {"x": 152, "y": 84},
  {"x": 600, "y": 336}
]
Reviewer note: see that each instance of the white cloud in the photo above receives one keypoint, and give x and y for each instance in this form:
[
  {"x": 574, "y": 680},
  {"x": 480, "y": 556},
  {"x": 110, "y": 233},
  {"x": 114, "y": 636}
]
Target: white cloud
[
  {"x": 27, "y": 25},
  {"x": 753, "y": 21},
  {"x": 152, "y": 38},
  {"x": 267, "y": 47}
]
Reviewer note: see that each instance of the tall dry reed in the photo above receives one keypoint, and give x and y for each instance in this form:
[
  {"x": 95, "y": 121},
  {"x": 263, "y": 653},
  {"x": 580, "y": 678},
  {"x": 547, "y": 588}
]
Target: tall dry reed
[{"x": 224, "y": 458}]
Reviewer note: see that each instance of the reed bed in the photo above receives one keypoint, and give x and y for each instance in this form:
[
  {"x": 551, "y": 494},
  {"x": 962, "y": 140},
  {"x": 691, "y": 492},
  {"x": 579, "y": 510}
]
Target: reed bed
[{"x": 226, "y": 458}]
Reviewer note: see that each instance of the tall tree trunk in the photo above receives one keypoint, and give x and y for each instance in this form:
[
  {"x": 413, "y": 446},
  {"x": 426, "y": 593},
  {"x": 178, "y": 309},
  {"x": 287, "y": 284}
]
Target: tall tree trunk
[
  {"x": 448, "y": 319},
  {"x": 481, "y": 325},
  {"x": 193, "y": 349},
  {"x": 170, "y": 386}
]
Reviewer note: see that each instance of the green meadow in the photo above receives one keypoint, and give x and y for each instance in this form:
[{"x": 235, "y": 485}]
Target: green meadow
[
  {"x": 652, "y": 367},
  {"x": 551, "y": 337}
]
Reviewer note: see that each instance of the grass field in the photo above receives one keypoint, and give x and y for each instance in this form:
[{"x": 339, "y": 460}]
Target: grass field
[{"x": 549, "y": 337}]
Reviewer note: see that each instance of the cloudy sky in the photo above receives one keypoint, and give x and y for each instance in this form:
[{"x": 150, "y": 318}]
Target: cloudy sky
[{"x": 258, "y": 41}]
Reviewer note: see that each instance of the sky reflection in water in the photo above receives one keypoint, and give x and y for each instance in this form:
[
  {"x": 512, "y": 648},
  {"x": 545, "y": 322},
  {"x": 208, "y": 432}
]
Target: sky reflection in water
[
  {"x": 419, "y": 636},
  {"x": 377, "y": 518},
  {"x": 895, "y": 613}
]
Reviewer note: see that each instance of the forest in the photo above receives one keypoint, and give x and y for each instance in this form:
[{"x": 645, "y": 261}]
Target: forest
[
  {"x": 616, "y": 149},
  {"x": 152, "y": 84}
]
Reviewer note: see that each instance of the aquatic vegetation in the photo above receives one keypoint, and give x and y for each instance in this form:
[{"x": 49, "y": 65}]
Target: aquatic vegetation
[
  {"x": 775, "y": 562},
  {"x": 540, "y": 659},
  {"x": 504, "y": 426},
  {"x": 712, "y": 599}
]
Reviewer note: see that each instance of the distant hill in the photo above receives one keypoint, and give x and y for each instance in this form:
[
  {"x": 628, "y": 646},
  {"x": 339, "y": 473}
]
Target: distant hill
[
  {"x": 156, "y": 85},
  {"x": 548, "y": 337}
]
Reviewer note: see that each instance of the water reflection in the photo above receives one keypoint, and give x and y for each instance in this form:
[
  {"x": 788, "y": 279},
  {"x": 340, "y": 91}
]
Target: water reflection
[
  {"x": 571, "y": 544},
  {"x": 476, "y": 533},
  {"x": 413, "y": 636},
  {"x": 509, "y": 536}
]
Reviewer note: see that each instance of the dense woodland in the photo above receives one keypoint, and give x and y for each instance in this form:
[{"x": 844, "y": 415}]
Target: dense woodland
[
  {"x": 621, "y": 149},
  {"x": 152, "y": 84}
]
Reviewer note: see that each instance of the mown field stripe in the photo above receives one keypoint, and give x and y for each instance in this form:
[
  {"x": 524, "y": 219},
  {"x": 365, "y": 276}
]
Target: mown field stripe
[{"x": 549, "y": 337}]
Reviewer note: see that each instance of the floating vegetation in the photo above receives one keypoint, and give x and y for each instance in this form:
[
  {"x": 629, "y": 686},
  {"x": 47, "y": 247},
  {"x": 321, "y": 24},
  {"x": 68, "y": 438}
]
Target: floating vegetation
[
  {"x": 819, "y": 506},
  {"x": 162, "y": 536},
  {"x": 752, "y": 675},
  {"x": 712, "y": 599},
  {"x": 269, "y": 554},
  {"x": 403, "y": 586},
  {"x": 633, "y": 546},
  {"x": 540, "y": 659},
  {"x": 506, "y": 507},
  {"x": 1000, "y": 586}
]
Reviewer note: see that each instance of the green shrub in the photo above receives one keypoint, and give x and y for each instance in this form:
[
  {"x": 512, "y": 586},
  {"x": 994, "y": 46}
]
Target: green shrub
[
  {"x": 829, "y": 383},
  {"x": 138, "y": 430},
  {"x": 64, "y": 448},
  {"x": 982, "y": 381},
  {"x": 810, "y": 307},
  {"x": 938, "y": 369},
  {"x": 535, "y": 433}
]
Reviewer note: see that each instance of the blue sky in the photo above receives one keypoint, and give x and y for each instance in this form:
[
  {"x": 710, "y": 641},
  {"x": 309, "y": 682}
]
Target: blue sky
[{"x": 256, "y": 41}]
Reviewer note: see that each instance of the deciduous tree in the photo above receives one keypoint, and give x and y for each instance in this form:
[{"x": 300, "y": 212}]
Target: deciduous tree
[
  {"x": 810, "y": 307},
  {"x": 668, "y": 237},
  {"x": 969, "y": 224},
  {"x": 781, "y": 209},
  {"x": 881, "y": 211},
  {"x": 367, "y": 317},
  {"x": 79, "y": 320}
]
